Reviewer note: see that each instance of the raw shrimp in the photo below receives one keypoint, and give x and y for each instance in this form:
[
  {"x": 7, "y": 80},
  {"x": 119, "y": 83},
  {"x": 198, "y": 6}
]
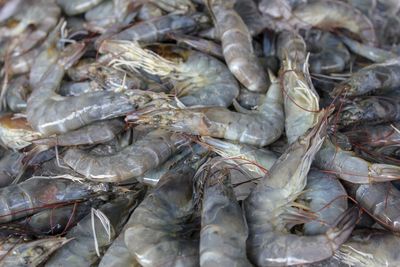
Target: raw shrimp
[
  {"x": 380, "y": 76},
  {"x": 36, "y": 194},
  {"x": 95, "y": 133},
  {"x": 327, "y": 198},
  {"x": 157, "y": 29},
  {"x": 41, "y": 14},
  {"x": 149, "y": 11},
  {"x": 369, "y": 110},
  {"x": 10, "y": 167},
  {"x": 200, "y": 44},
  {"x": 223, "y": 229},
  {"x": 195, "y": 76},
  {"x": 237, "y": 46},
  {"x": 92, "y": 235},
  {"x": 17, "y": 94},
  {"x": 70, "y": 113},
  {"x": 374, "y": 54},
  {"x": 370, "y": 247},
  {"x": 375, "y": 136},
  {"x": 351, "y": 168},
  {"x": 15, "y": 133},
  {"x": 380, "y": 200},
  {"x": 260, "y": 127},
  {"x": 175, "y": 6},
  {"x": 248, "y": 11},
  {"x": 133, "y": 161},
  {"x": 269, "y": 209},
  {"x": 75, "y": 7},
  {"x": 301, "y": 101},
  {"x": 162, "y": 227},
  {"x": 31, "y": 253},
  {"x": 324, "y": 14}
]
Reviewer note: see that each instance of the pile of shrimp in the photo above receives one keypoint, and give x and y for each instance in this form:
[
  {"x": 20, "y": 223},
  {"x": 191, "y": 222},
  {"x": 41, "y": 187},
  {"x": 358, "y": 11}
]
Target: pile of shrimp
[{"x": 199, "y": 133}]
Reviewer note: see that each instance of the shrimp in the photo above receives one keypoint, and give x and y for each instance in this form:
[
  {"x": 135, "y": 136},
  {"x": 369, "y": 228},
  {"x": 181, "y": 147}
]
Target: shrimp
[
  {"x": 32, "y": 253},
  {"x": 41, "y": 14},
  {"x": 92, "y": 235},
  {"x": 380, "y": 200},
  {"x": 375, "y": 136},
  {"x": 269, "y": 209},
  {"x": 195, "y": 76},
  {"x": 133, "y": 161},
  {"x": 327, "y": 198},
  {"x": 149, "y": 11},
  {"x": 237, "y": 46},
  {"x": 75, "y": 7},
  {"x": 260, "y": 127},
  {"x": 375, "y": 77},
  {"x": 11, "y": 166},
  {"x": 301, "y": 101},
  {"x": 374, "y": 54},
  {"x": 223, "y": 229},
  {"x": 324, "y": 14},
  {"x": 157, "y": 29},
  {"x": 248, "y": 11},
  {"x": 370, "y": 247},
  {"x": 15, "y": 133},
  {"x": 369, "y": 110},
  {"x": 17, "y": 94},
  {"x": 328, "y": 53},
  {"x": 351, "y": 168},
  {"x": 162, "y": 227},
  {"x": 71, "y": 112},
  {"x": 95, "y": 133},
  {"x": 175, "y": 6},
  {"x": 36, "y": 194}
]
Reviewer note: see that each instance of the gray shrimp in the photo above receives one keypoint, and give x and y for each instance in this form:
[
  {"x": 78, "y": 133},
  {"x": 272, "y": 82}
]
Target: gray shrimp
[
  {"x": 195, "y": 76},
  {"x": 92, "y": 235},
  {"x": 162, "y": 228},
  {"x": 369, "y": 110},
  {"x": 270, "y": 208},
  {"x": 260, "y": 127},
  {"x": 71, "y": 112},
  {"x": 301, "y": 101},
  {"x": 376, "y": 77},
  {"x": 10, "y": 167},
  {"x": 237, "y": 46},
  {"x": 157, "y": 29},
  {"x": 324, "y": 14},
  {"x": 75, "y": 7},
  {"x": 380, "y": 200},
  {"x": 133, "y": 161},
  {"x": 327, "y": 198},
  {"x": 17, "y": 94},
  {"x": 175, "y": 6},
  {"x": 351, "y": 168},
  {"x": 95, "y": 133},
  {"x": 36, "y": 194},
  {"x": 31, "y": 253},
  {"x": 149, "y": 11},
  {"x": 248, "y": 11},
  {"x": 223, "y": 229}
]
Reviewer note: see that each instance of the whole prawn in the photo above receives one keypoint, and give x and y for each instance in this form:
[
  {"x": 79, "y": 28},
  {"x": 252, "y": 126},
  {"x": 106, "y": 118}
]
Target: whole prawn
[
  {"x": 269, "y": 209},
  {"x": 237, "y": 46}
]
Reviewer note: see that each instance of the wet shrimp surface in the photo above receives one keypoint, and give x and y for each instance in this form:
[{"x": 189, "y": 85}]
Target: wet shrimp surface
[{"x": 199, "y": 133}]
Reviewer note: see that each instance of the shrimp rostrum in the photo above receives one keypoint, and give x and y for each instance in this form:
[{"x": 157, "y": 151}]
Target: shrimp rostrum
[
  {"x": 269, "y": 209},
  {"x": 260, "y": 127}
]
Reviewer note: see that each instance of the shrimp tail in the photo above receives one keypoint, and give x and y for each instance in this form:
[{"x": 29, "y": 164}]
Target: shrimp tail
[{"x": 344, "y": 225}]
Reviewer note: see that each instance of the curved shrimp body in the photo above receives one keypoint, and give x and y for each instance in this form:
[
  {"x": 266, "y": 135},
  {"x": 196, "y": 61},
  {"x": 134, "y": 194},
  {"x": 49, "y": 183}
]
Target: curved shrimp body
[
  {"x": 301, "y": 101},
  {"x": 380, "y": 76},
  {"x": 223, "y": 230},
  {"x": 161, "y": 227},
  {"x": 381, "y": 200},
  {"x": 36, "y": 194},
  {"x": 195, "y": 76},
  {"x": 157, "y": 29},
  {"x": 15, "y": 133},
  {"x": 71, "y": 112},
  {"x": 132, "y": 161},
  {"x": 95, "y": 133},
  {"x": 237, "y": 46},
  {"x": 370, "y": 247},
  {"x": 351, "y": 168},
  {"x": 326, "y": 197},
  {"x": 103, "y": 228},
  {"x": 32, "y": 253},
  {"x": 259, "y": 128},
  {"x": 370, "y": 110},
  {"x": 268, "y": 210}
]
